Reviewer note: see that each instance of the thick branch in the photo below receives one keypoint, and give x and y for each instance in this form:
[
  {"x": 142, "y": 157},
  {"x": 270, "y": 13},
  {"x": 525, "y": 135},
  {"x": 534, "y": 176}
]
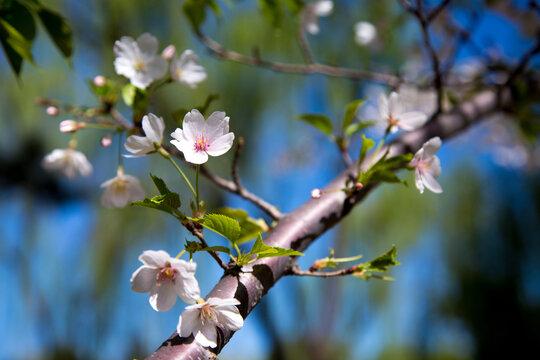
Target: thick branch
[{"x": 303, "y": 226}]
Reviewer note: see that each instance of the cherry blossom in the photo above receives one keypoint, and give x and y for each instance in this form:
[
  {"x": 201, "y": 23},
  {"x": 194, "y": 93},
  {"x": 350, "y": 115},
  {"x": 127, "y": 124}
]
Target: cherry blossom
[
  {"x": 200, "y": 138},
  {"x": 186, "y": 69},
  {"x": 312, "y": 13},
  {"x": 427, "y": 166},
  {"x": 139, "y": 60},
  {"x": 69, "y": 162},
  {"x": 153, "y": 127},
  {"x": 203, "y": 319},
  {"x": 165, "y": 278},
  {"x": 364, "y": 32},
  {"x": 391, "y": 111},
  {"x": 316, "y": 193},
  {"x": 121, "y": 190}
]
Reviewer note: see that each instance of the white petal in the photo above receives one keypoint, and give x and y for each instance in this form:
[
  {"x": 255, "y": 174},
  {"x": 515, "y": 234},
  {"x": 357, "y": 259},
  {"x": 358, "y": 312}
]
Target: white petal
[
  {"x": 135, "y": 189},
  {"x": 383, "y": 107},
  {"x": 394, "y": 105},
  {"x": 229, "y": 317},
  {"x": 138, "y": 145},
  {"x": 412, "y": 120},
  {"x": 323, "y": 7},
  {"x": 178, "y": 134},
  {"x": 189, "y": 322},
  {"x": 207, "y": 335},
  {"x": 430, "y": 182},
  {"x": 156, "y": 67},
  {"x": 124, "y": 66},
  {"x": 216, "y": 125},
  {"x": 153, "y": 127},
  {"x": 216, "y": 302},
  {"x": 147, "y": 43},
  {"x": 431, "y": 147},
  {"x": 364, "y": 32},
  {"x": 434, "y": 167},
  {"x": 187, "y": 288},
  {"x": 195, "y": 157},
  {"x": 143, "y": 279},
  {"x": 418, "y": 181},
  {"x": 154, "y": 258},
  {"x": 193, "y": 125},
  {"x": 162, "y": 296},
  {"x": 221, "y": 145}
]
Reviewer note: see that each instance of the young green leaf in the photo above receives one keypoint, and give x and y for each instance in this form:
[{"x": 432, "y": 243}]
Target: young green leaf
[
  {"x": 160, "y": 185},
  {"x": 262, "y": 250},
  {"x": 367, "y": 144},
  {"x": 222, "y": 225},
  {"x": 350, "y": 111},
  {"x": 384, "y": 176},
  {"x": 171, "y": 200},
  {"x": 321, "y": 122},
  {"x": 356, "y": 127},
  {"x": 16, "y": 41},
  {"x": 250, "y": 227},
  {"x": 384, "y": 261},
  {"x": 159, "y": 204},
  {"x": 272, "y": 11}
]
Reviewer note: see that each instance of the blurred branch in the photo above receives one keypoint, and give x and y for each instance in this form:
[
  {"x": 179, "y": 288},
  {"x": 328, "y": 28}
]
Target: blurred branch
[
  {"x": 295, "y": 270},
  {"x": 308, "y": 69},
  {"x": 524, "y": 61},
  {"x": 300, "y": 228},
  {"x": 302, "y": 39}
]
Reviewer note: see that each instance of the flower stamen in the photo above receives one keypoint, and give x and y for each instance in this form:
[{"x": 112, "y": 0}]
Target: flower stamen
[
  {"x": 201, "y": 143},
  {"x": 166, "y": 273}
]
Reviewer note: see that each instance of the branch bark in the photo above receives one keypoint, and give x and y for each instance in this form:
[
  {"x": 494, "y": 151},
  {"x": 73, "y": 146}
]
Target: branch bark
[{"x": 300, "y": 228}]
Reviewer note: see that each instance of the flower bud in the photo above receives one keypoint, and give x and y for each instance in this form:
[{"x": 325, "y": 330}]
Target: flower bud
[
  {"x": 316, "y": 193},
  {"x": 168, "y": 52},
  {"x": 106, "y": 141},
  {"x": 52, "y": 111},
  {"x": 358, "y": 186},
  {"x": 68, "y": 126},
  {"x": 100, "y": 80}
]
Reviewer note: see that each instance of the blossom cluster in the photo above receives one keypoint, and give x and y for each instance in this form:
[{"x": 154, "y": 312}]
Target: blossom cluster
[{"x": 167, "y": 278}]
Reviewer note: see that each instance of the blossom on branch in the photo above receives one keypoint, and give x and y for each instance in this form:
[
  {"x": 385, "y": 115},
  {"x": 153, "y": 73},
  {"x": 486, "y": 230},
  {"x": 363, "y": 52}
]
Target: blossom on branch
[
  {"x": 121, "y": 190},
  {"x": 427, "y": 166},
  {"x": 166, "y": 278},
  {"x": 391, "y": 111},
  {"x": 69, "y": 162},
  {"x": 203, "y": 319},
  {"x": 313, "y": 11},
  {"x": 139, "y": 60},
  {"x": 186, "y": 69},
  {"x": 153, "y": 127},
  {"x": 200, "y": 138}
]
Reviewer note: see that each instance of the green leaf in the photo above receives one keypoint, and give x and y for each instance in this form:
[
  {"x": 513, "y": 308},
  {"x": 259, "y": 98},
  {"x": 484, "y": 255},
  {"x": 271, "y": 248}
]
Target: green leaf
[
  {"x": 14, "y": 59},
  {"x": 397, "y": 160},
  {"x": 262, "y": 250},
  {"x": 367, "y": 144},
  {"x": 148, "y": 203},
  {"x": 350, "y": 111},
  {"x": 321, "y": 122},
  {"x": 134, "y": 97},
  {"x": 384, "y": 261},
  {"x": 58, "y": 30},
  {"x": 250, "y": 227},
  {"x": 222, "y": 225},
  {"x": 195, "y": 11},
  {"x": 384, "y": 176},
  {"x": 356, "y": 127},
  {"x": 222, "y": 249},
  {"x": 17, "y": 15},
  {"x": 160, "y": 185},
  {"x": 16, "y": 41},
  {"x": 271, "y": 11},
  {"x": 171, "y": 200}
]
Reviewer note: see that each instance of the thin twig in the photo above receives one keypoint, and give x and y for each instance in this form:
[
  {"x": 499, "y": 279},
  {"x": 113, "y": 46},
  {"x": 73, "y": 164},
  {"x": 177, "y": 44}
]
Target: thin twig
[
  {"x": 302, "y": 39},
  {"x": 302, "y": 69},
  {"x": 522, "y": 65},
  {"x": 295, "y": 270},
  {"x": 197, "y": 233},
  {"x": 236, "y": 158},
  {"x": 433, "y": 14}
]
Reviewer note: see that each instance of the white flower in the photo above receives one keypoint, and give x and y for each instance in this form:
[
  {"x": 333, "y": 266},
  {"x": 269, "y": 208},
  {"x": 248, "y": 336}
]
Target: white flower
[
  {"x": 316, "y": 193},
  {"x": 203, "y": 318},
  {"x": 153, "y": 127},
  {"x": 391, "y": 111},
  {"x": 427, "y": 166},
  {"x": 138, "y": 60},
  {"x": 200, "y": 138},
  {"x": 121, "y": 190},
  {"x": 312, "y": 13},
  {"x": 165, "y": 277},
  {"x": 68, "y": 161},
  {"x": 364, "y": 32},
  {"x": 186, "y": 69}
]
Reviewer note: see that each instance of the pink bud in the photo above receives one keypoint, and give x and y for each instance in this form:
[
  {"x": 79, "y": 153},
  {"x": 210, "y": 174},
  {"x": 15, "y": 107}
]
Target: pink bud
[
  {"x": 52, "y": 111},
  {"x": 316, "y": 193},
  {"x": 68, "y": 126},
  {"x": 106, "y": 141},
  {"x": 358, "y": 186},
  {"x": 168, "y": 52},
  {"x": 100, "y": 80}
]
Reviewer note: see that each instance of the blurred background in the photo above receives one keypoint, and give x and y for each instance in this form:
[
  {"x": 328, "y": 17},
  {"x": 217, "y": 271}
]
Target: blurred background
[{"x": 469, "y": 281}]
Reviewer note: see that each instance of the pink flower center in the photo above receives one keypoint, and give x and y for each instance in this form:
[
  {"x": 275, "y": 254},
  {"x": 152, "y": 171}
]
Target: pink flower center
[
  {"x": 166, "y": 273},
  {"x": 208, "y": 314},
  {"x": 201, "y": 143}
]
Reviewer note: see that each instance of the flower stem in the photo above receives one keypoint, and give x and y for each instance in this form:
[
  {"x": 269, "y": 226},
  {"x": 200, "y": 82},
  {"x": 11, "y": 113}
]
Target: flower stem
[
  {"x": 180, "y": 254},
  {"x": 167, "y": 156},
  {"x": 197, "y": 186}
]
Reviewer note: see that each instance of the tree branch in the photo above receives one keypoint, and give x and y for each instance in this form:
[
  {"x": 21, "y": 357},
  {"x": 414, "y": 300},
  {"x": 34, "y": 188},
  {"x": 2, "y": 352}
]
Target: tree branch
[
  {"x": 302, "y": 227},
  {"x": 295, "y": 270}
]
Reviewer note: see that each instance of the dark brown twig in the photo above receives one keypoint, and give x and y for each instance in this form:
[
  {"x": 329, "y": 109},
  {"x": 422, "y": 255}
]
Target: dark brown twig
[
  {"x": 295, "y": 270},
  {"x": 198, "y": 234},
  {"x": 236, "y": 158}
]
